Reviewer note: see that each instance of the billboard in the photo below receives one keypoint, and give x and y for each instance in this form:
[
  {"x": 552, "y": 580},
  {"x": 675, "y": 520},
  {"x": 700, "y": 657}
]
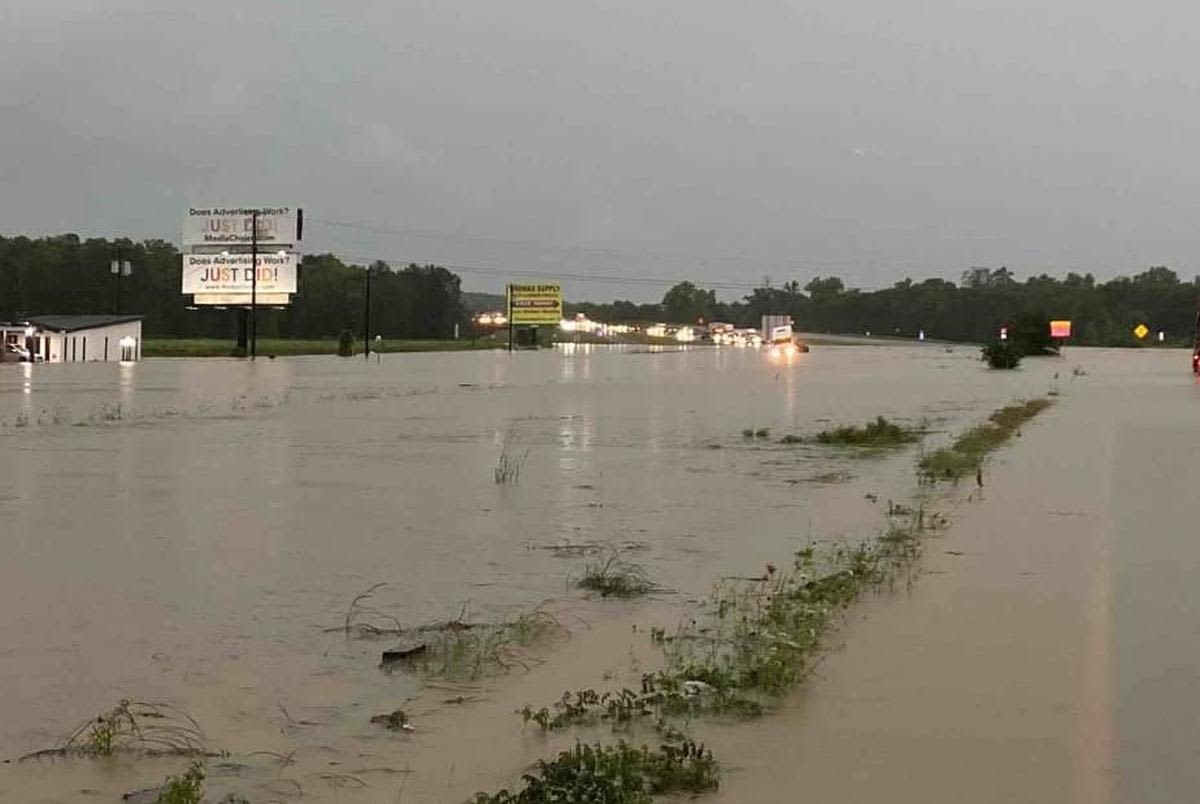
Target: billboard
[
  {"x": 232, "y": 226},
  {"x": 535, "y": 304},
  {"x": 205, "y": 274},
  {"x": 1060, "y": 329}
]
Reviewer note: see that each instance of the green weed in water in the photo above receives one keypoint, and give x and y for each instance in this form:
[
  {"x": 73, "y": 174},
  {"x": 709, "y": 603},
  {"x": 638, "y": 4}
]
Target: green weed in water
[
  {"x": 614, "y": 774},
  {"x": 187, "y": 788}
]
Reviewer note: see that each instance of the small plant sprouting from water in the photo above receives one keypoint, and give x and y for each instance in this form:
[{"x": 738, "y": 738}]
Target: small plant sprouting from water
[
  {"x": 615, "y": 577},
  {"x": 614, "y": 774},
  {"x": 756, "y": 432},
  {"x": 509, "y": 463},
  {"x": 187, "y": 788}
]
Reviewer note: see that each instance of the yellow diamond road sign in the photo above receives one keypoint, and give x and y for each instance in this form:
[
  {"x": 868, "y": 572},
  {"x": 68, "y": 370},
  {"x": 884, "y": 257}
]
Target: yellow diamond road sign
[{"x": 1141, "y": 331}]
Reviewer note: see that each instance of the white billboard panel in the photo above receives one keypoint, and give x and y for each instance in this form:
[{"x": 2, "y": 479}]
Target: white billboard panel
[
  {"x": 230, "y": 273},
  {"x": 225, "y": 226},
  {"x": 240, "y": 299}
]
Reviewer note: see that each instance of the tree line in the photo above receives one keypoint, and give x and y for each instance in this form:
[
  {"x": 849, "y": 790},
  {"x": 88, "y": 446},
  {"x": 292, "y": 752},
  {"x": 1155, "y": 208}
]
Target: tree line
[
  {"x": 66, "y": 275},
  {"x": 1102, "y": 313}
]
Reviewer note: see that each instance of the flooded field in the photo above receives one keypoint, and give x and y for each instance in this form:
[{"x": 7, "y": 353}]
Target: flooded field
[{"x": 194, "y": 532}]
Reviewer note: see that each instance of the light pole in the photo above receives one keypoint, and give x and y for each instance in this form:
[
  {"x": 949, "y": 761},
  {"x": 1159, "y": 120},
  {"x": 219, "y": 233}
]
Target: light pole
[{"x": 119, "y": 268}]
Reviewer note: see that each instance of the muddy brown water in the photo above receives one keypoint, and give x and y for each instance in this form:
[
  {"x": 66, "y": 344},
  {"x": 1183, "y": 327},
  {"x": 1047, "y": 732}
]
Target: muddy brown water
[{"x": 185, "y": 530}]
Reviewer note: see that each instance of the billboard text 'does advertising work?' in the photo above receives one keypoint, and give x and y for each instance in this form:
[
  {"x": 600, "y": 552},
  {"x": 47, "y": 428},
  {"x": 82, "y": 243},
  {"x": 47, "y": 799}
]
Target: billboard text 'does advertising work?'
[
  {"x": 230, "y": 226},
  {"x": 535, "y": 304}
]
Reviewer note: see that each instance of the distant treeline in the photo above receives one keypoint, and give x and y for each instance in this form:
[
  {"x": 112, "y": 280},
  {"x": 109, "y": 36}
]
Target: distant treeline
[
  {"x": 65, "y": 274},
  {"x": 1103, "y": 313},
  {"x": 56, "y": 275}
]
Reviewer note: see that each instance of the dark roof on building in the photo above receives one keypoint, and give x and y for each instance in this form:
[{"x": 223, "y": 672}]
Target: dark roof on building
[{"x": 74, "y": 323}]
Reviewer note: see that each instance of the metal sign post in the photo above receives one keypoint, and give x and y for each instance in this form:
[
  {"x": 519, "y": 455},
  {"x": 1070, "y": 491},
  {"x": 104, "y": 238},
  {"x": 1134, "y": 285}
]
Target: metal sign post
[{"x": 254, "y": 285}]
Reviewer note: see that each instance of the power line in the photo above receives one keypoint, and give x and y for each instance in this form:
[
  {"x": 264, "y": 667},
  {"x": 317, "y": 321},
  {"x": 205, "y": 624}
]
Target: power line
[
  {"x": 518, "y": 273},
  {"x": 602, "y": 251}
]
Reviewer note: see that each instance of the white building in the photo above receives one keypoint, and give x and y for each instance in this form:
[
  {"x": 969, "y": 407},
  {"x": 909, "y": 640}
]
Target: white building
[{"x": 74, "y": 338}]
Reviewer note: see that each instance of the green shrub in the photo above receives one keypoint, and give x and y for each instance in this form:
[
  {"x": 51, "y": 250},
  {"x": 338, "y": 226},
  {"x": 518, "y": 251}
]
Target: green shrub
[
  {"x": 345, "y": 346},
  {"x": 1001, "y": 355}
]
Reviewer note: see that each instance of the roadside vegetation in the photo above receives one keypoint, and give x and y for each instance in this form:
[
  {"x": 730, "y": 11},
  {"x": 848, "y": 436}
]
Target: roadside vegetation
[
  {"x": 966, "y": 454},
  {"x": 614, "y": 774},
  {"x": 753, "y": 641},
  {"x": 282, "y": 347}
]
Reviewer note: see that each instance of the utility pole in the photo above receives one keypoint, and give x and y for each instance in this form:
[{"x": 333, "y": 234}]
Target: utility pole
[
  {"x": 367, "y": 318},
  {"x": 254, "y": 285},
  {"x": 508, "y": 295}
]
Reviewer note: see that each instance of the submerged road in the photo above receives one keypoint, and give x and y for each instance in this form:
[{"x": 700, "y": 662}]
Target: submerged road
[{"x": 1050, "y": 653}]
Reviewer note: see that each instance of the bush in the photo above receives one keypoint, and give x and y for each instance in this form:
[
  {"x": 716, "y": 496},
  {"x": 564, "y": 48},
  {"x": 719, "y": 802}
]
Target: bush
[
  {"x": 879, "y": 433},
  {"x": 1001, "y": 355},
  {"x": 346, "y": 343}
]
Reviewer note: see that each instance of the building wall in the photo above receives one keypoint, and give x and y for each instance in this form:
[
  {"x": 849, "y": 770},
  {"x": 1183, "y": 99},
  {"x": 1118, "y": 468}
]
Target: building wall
[{"x": 93, "y": 345}]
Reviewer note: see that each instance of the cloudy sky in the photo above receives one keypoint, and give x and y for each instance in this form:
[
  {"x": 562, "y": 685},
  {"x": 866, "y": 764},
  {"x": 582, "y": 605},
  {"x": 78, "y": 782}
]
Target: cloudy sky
[{"x": 637, "y": 141}]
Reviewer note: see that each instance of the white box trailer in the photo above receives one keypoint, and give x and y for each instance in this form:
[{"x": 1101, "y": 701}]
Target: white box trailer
[{"x": 776, "y": 328}]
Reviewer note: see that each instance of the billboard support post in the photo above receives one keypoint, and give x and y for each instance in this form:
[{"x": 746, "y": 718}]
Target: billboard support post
[
  {"x": 367, "y": 318},
  {"x": 254, "y": 284}
]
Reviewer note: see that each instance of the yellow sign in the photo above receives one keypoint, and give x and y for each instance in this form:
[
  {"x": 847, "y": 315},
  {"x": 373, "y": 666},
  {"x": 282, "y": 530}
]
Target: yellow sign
[
  {"x": 1141, "y": 331},
  {"x": 535, "y": 304}
]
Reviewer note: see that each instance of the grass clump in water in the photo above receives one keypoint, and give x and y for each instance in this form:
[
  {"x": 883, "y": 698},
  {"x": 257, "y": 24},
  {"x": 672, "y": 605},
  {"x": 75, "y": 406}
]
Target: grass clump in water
[
  {"x": 879, "y": 433},
  {"x": 616, "y": 577},
  {"x": 459, "y": 650},
  {"x": 614, "y": 774},
  {"x": 756, "y": 432},
  {"x": 133, "y": 727},
  {"x": 509, "y": 464},
  {"x": 187, "y": 788},
  {"x": 968, "y": 451}
]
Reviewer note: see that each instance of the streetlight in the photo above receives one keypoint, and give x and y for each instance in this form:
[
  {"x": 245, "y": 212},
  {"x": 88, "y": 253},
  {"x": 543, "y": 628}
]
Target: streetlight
[{"x": 119, "y": 268}]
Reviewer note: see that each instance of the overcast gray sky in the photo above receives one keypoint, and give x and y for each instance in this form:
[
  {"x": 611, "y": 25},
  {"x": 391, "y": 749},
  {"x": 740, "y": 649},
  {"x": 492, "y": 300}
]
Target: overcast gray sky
[{"x": 649, "y": 139}]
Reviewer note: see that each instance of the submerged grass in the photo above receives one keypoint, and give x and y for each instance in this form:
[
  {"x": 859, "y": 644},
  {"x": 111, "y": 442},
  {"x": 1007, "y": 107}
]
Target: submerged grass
[
  {"x": 879, "y": 433},
  {"x": 614, "y": 774},
  {"x": 509, "y": 463},
  {"x": 141, "y": 727},
  {"x": 616, "y": 577},
  {"x": 755, "y": 640},
  {"x": 968, "y": 451},
  {"x": 459, "y": 650}
]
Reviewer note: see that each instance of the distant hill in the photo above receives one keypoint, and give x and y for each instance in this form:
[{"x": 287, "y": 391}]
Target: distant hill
[{"x": 483, "y": 302}]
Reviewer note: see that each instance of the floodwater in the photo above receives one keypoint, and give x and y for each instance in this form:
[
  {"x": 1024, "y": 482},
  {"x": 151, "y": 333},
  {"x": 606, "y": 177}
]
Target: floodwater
[{"x": 187, "y": 530}]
